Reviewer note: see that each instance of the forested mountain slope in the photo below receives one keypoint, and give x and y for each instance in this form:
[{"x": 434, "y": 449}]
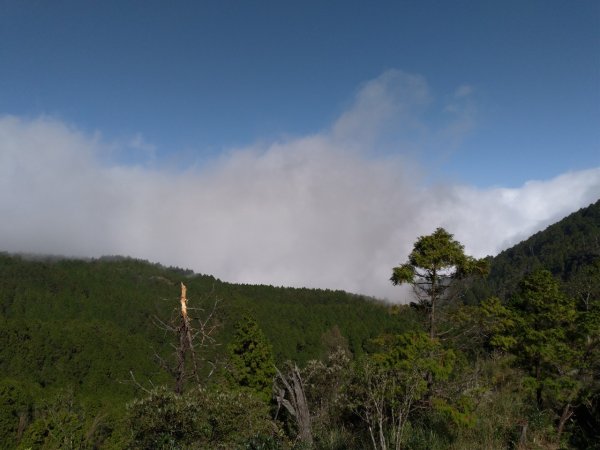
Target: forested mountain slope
[
  {"x": 570, "y": 249},
  {"x": 87, "y": 324},
  {"x": 81, "y": 339}
]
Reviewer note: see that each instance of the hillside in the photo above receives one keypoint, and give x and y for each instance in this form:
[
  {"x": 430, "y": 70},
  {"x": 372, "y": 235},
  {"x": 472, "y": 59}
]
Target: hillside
[
  {"x": 570, "y": 249},
  {"x": 87, "y": 324},
  {"x": 64, "y": 320},
  {"x": 82, "y": 339}
]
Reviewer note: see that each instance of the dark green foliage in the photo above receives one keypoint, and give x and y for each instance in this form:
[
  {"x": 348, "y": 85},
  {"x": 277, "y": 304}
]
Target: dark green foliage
[
  {"x": 434, "y": 263},
  {"x": 89, "y": 357},
  {"x": 199, "y": 419},
  {"x": 540, "y": 326},
  {"x": 565, "y": 248},
  {"x": 251, "y": 363},
  {"x": 78, "y": 341},
  {"x": 60, "y": 422},
  {"x": 128, "y": 293},
  {"x": 90, "y": 326},
  {"x": 294, "y": 320},
  {"x": 433, "y": 255},
  {"x": 58, "y": 312},
  {"x": 417, "y": 355},
  {"x": 16, "y": 405},
  {"x": 411, "y": 383}
]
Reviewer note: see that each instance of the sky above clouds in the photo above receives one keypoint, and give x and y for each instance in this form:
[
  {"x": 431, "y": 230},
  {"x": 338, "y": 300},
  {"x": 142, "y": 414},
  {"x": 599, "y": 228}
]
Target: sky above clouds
[{"x": 303, "y": 144}]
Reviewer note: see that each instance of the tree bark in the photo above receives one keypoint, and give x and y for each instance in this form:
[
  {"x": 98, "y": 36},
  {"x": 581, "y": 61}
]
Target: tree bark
[
  {"x": 565, "y": 416},
  {"x": 432, "y": 309},
  {"x": 538, "y": 390},
  {"x": 297, "y": 405},
  {"x": 186, "y": 344}
]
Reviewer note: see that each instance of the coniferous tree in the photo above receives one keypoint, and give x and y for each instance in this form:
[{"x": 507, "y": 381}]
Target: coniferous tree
[
  {"x": 436, "y": 260},
  {"x": 251, "y": 363},
  {"x": 539, "y": 326}
]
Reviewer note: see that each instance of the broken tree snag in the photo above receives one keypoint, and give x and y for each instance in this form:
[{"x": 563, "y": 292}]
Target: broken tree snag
[
  {"x": 183, "y": 300},
  {"x": 193, "y": 334},
  {"x": 183, "y": 343},
  {"x": 188, "y": 329},
  {"x": 186, "y": 344}
]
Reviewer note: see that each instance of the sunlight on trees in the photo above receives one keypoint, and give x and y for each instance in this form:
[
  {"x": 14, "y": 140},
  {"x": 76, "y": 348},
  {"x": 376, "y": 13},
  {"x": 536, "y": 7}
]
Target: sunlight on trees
[
  {"x": 540, "y": 326},
  {"x": 251, "y": 364},
  {"x": 435, "y": 261}
]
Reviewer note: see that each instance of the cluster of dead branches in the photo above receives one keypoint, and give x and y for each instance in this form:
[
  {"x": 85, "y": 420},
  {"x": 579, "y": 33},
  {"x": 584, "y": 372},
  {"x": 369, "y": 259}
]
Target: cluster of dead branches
[{"x": 194, "y": 329}]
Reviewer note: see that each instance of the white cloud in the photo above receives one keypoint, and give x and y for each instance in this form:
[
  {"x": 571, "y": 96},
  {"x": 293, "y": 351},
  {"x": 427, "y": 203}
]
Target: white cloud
[
  {"x": 325, "y": 210},
  {"x": 393, "y": 101}
]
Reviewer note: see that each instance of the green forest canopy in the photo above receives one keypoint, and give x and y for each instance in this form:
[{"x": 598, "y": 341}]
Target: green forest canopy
[{"x": 91, "y": 330}]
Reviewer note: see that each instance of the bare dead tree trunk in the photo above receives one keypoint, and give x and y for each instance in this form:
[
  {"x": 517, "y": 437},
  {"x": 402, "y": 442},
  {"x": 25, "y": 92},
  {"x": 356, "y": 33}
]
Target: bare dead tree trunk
[
  {"x": 186, "y": 344},
  {"x": 192, "y": 333},
  {"x": 297, "y": 404},
  {"x": 187, "y": 336}
]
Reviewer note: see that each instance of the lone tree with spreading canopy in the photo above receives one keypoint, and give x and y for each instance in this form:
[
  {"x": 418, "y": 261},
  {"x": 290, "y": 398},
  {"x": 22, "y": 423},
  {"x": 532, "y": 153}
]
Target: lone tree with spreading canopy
[{"x": 435, "y": 262}]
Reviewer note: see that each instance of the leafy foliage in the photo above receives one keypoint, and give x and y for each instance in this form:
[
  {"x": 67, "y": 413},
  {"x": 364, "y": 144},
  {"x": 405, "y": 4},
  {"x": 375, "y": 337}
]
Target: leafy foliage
[{"x": 198, "y": 419}]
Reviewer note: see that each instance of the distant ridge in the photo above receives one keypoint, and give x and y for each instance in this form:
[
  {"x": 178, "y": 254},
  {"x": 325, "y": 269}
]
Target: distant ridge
[{"x": 566, "y": 248}]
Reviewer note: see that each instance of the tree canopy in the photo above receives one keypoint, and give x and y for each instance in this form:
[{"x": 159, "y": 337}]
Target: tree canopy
[
  {"x": 435, "y": 261},
  {"x": 251, "y": 362},
  {"x": 540, "y": 327},
  {"x": 80, "y": 354}
]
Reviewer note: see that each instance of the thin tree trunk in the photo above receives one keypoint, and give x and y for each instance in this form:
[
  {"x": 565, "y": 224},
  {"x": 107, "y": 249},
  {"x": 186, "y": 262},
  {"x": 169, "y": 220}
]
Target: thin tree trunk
[
  {"x": 372, "y": 437},
  {"x": 432, "y": 310},
  {"x": 565, "y": 416},
  {"x": 180, "y": 369},
  {"x": 381, "y": 433},
  {"x": 380, "y": 409},
  {"x": 538, "y": 390}
]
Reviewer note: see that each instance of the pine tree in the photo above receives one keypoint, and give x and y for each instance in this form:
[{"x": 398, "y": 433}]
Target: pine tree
[
  {"x": 251, "y": 363},
  {"x": 540, "y": 327},
  {"x": 436, "y": 260}
]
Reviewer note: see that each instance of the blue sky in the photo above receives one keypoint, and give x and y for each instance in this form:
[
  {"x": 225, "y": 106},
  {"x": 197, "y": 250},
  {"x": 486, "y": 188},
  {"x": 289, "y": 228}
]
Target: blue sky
[
  {"x": 197, "y": 78},
  {"x": 293, "y": 143}
]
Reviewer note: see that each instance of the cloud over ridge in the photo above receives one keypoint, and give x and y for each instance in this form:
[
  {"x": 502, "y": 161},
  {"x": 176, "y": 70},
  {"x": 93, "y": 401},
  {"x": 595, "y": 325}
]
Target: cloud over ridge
[{"x": 323, "y": 210}]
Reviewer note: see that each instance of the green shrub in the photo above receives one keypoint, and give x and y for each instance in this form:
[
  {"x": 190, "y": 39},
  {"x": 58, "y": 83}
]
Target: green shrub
[{"x": 198, "y": 419}]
